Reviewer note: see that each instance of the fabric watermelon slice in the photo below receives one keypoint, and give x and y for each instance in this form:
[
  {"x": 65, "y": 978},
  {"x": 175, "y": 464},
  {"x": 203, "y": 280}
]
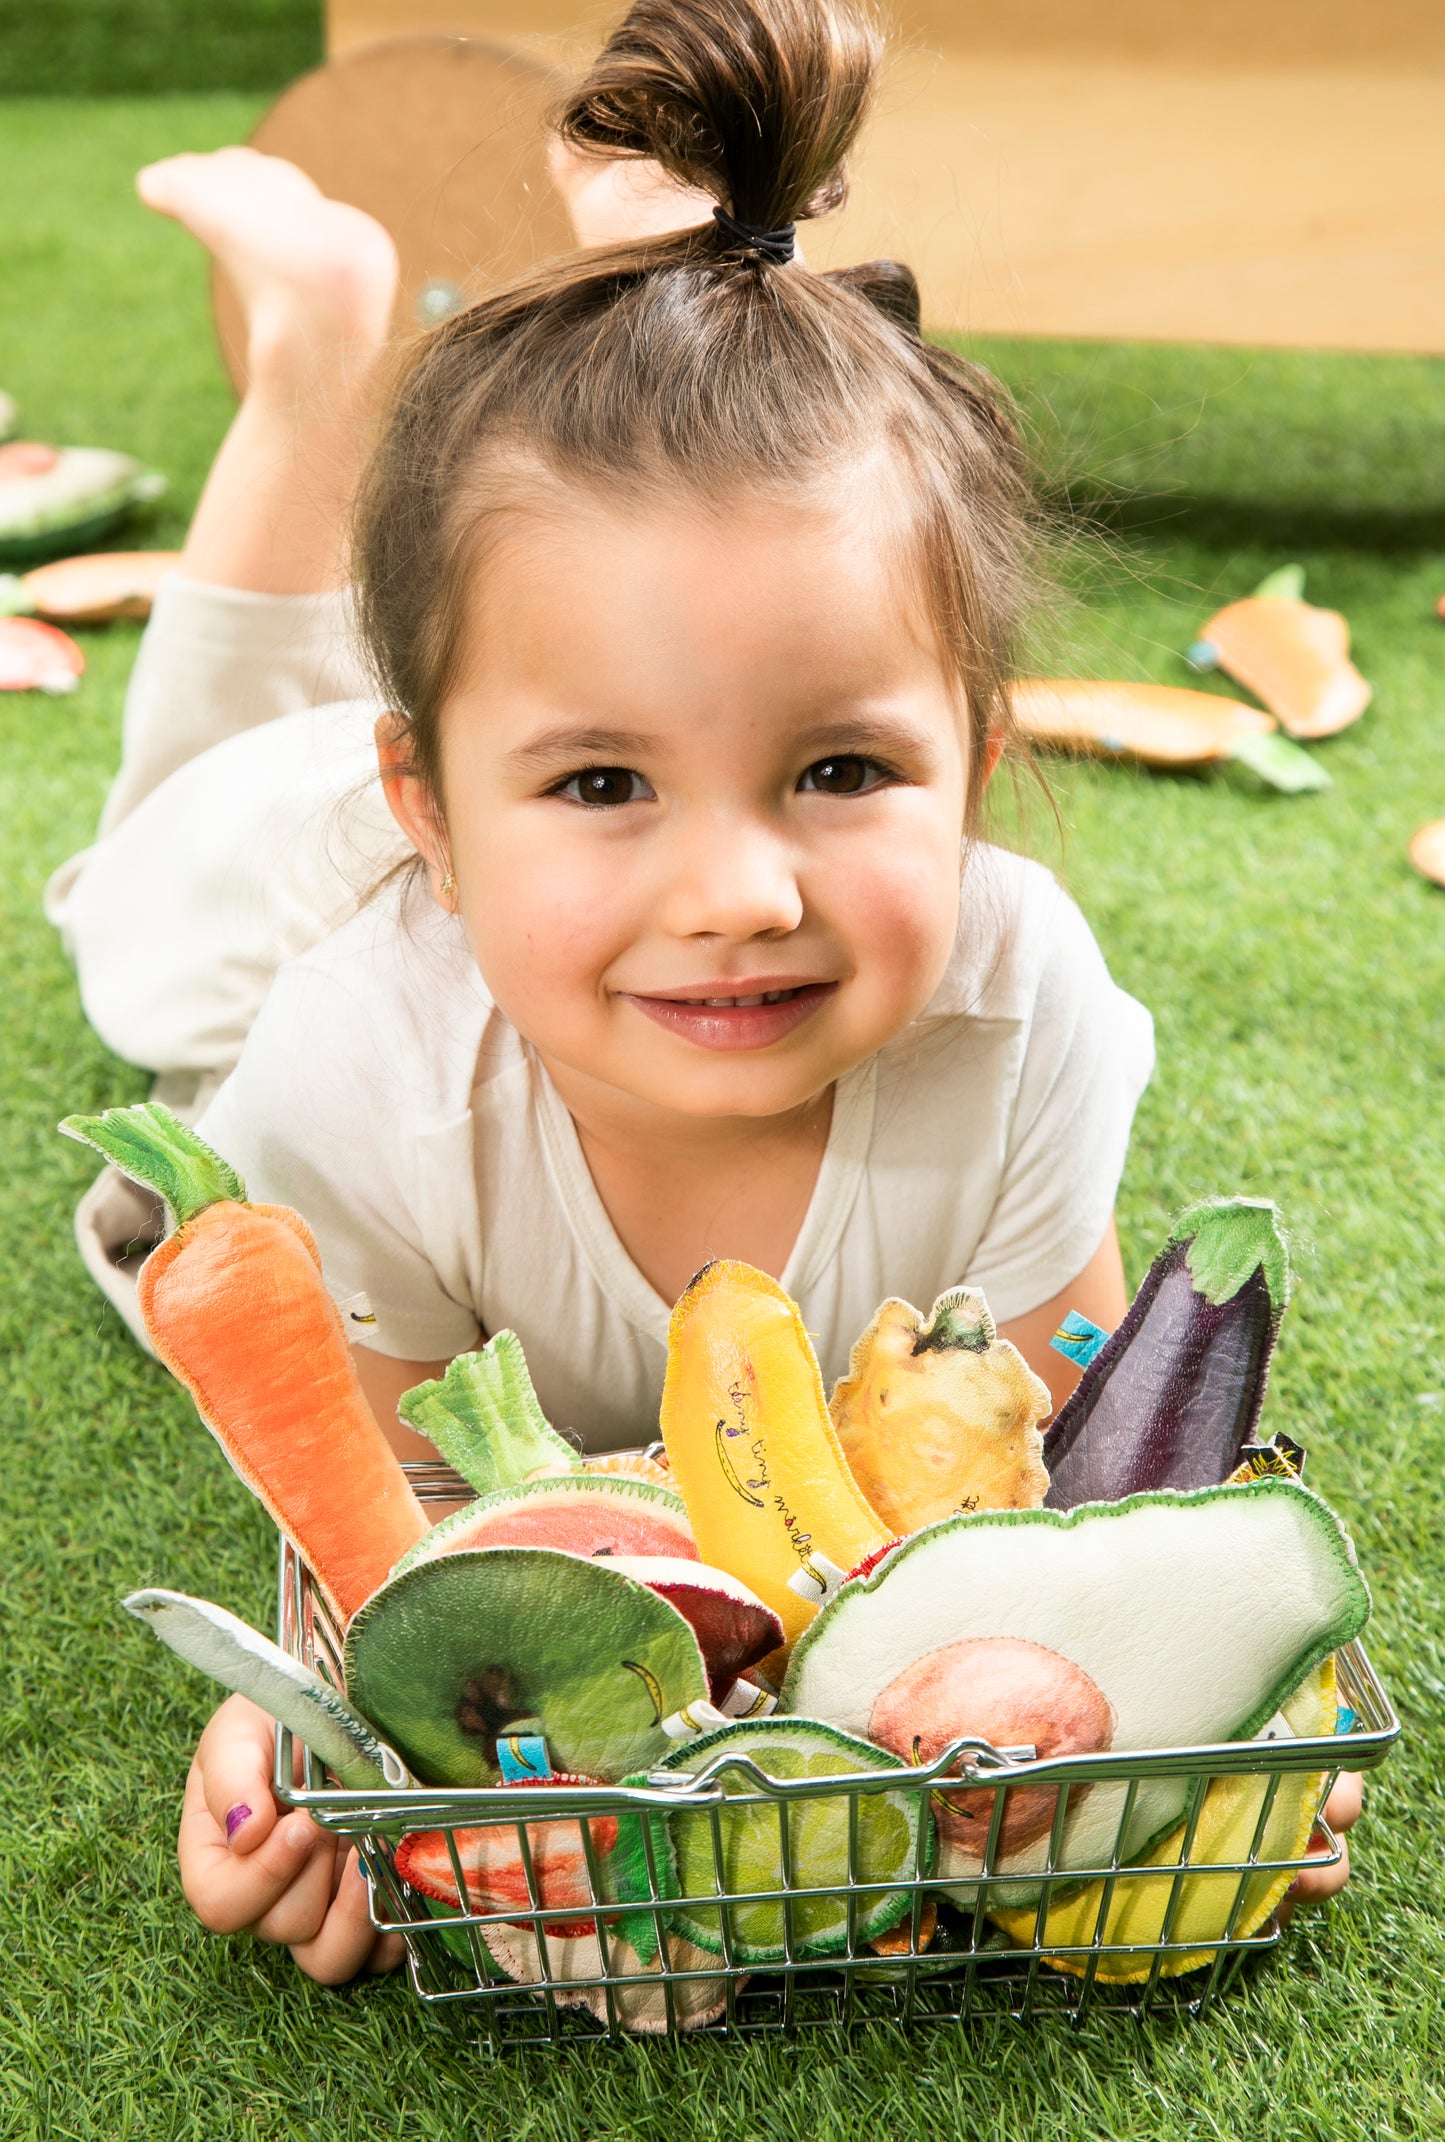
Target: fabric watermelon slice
[{"x": 596, "y": 1515}]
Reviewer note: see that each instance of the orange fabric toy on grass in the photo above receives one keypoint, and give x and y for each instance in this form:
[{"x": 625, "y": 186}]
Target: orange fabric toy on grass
[{"x": 236, "y": 1308}]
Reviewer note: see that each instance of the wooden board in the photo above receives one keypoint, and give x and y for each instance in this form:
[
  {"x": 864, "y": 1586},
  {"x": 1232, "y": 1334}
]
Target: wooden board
[
  {"x": 443, "y": 142},
  {"x": 1267, "y": 173}
]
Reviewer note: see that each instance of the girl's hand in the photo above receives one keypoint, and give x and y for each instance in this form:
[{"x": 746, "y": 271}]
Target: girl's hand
[
  {"x": 1317, "y": 1884},
  {"x": 278, "y": 1876}
]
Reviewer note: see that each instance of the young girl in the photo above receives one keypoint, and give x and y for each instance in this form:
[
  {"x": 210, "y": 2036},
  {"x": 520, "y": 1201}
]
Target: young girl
[{"x": 691, "y": 580}]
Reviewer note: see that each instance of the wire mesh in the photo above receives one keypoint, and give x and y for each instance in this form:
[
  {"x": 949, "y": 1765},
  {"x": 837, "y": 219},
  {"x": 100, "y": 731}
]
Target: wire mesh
[{"x": 913, "y": 1944}]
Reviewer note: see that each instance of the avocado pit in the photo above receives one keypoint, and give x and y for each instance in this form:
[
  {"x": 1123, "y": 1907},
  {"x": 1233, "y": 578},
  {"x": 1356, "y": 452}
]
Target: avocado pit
[{"x": 1009, "y": 1692}]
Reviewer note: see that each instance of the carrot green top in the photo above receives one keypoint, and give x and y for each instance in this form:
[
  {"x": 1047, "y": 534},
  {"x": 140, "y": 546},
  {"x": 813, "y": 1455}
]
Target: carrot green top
[{"x": 154, "y": 1147}]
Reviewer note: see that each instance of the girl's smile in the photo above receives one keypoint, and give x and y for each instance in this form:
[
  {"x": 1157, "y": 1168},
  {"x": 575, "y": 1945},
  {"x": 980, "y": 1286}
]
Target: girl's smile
[{"x": 749, "y": 1015}]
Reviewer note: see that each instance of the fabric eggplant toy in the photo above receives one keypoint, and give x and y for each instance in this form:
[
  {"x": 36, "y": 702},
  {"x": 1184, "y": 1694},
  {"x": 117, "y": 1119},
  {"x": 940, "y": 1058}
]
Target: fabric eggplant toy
[{"x": 1172, "y": 1397}]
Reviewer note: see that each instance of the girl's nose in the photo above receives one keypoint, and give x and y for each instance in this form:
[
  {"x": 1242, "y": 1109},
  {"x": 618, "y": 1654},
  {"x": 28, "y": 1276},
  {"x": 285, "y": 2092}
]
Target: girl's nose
[{"x": 732, "y": 877}]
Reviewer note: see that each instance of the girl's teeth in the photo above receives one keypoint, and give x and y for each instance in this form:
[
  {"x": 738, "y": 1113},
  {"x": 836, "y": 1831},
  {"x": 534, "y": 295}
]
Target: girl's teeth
[{"x": 771, "y": 996}]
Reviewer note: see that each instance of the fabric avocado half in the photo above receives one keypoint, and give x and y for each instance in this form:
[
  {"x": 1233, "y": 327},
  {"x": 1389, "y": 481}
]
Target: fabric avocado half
[{"x": 1195, "y": 1616}]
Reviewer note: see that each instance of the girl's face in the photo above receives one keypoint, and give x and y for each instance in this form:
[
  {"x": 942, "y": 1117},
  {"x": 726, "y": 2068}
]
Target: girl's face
[{"x": 703, "y": 782}]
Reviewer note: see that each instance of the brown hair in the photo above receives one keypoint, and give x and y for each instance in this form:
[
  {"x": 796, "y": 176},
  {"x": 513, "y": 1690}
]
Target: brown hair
[{"x": 698, "y": 360}]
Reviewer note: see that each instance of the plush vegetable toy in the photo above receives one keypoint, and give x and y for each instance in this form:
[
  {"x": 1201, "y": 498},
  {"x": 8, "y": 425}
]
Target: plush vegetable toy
[
  {"x": 1292, "y": 656},
  {"x": 1160, "y": 725},
  {"x": 95, "y": 589},
  {"x": 236, "y": 1308},
  {"x": 940, "y": 1417},
  {"x": 752, "y": 1448},
  {"x": 56, "y": 499},
  {"x": 1171, "y": 1398}
]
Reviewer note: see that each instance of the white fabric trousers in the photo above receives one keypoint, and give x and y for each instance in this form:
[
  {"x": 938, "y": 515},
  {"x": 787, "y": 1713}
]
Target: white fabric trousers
[{"x": 246, "y": 823}]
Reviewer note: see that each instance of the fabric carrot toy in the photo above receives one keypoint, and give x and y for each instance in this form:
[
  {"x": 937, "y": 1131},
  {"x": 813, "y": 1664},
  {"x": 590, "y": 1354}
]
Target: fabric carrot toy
[{"x": 236, "y": 1307}]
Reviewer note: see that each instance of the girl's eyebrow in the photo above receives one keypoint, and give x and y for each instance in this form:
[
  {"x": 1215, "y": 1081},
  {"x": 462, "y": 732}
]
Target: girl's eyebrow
[
  {"x": 862, "y": 735},
  {"x": 615, "y": 746}
]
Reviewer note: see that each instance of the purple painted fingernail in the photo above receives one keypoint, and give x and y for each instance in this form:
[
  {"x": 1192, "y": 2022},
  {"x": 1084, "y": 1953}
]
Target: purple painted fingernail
[{"x": 239, "y": 1813}]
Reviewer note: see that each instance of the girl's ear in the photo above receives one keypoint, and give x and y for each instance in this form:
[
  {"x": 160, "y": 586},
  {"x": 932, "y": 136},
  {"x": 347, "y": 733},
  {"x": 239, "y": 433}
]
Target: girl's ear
[{"x": 413, "y": 806}]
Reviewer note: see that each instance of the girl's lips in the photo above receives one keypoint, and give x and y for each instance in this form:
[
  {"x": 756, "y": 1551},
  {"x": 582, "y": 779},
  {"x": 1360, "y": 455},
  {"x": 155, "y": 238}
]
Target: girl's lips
[{"x": 734, "y": 1025}]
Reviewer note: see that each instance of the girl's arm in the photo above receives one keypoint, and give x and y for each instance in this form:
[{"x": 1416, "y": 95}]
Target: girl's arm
[{"x": 383, "y": 1382}]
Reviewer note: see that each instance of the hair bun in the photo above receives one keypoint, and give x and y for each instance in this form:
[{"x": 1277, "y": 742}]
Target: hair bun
[
  {"x": 756, "y": 102},
  {"x": 890, "y": 286}
]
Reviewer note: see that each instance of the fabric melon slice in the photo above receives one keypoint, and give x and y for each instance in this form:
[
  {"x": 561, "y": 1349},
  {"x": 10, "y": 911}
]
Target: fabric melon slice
[
  {"x": 751, "y": 1847},
  {"x": 733, "y": 1628},
  {"x": 1194, "y": 1616},
  {"x": 579, "y": 1513},
  {"x": 454, "y": 1651},
  {"x": 1209, "y": 1905}
]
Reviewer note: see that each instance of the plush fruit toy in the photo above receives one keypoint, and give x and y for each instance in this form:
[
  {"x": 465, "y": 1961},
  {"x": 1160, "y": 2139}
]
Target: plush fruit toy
[
  {"x": 37, "y": 658},
  {"x": 236, "y": 1308},
  {"x": 752, "y": 1448},
  {"x": 1158, "y": 1622},
  {"x": 1210, "y": 1907},
  {"x": 455, "y": 1651},
  {"x": 885, "y": 1843},
  {"x": 940, "y": 1417},
  {"x": 56, "y": 499}
]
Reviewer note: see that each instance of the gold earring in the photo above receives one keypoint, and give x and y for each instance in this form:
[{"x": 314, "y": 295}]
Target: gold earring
[{"x": 448, "y": 887}]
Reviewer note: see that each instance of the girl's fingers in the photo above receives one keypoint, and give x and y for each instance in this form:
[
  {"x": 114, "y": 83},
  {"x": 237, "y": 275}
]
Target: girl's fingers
[
  {"x": 234, "y": 1762},
  {"x": 346, "y": 1941},
  {"x": 1342, "y": 1809},
  {"x": 228, "y": 1890}
]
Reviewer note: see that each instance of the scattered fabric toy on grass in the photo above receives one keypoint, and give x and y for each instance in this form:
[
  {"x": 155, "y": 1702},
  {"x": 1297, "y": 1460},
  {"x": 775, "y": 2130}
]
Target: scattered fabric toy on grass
[
  {"x": 1161, "y": 725},
  {"x": 56, "y": 499},
  {"x": 1427, "y": 851},
  {"x": 1293, "y": 657},
  {"x": 37, "y": 658},
  {"x": 96, "y": 589}
]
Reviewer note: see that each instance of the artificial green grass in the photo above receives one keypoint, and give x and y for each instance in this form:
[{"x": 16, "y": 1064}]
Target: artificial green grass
[
  {"x": 119, "y": 48},
  {"x": 1296, "y": 969}
]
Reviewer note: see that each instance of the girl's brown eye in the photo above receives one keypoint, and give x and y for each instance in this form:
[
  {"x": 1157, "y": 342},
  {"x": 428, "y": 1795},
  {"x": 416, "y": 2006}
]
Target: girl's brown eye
[
  {"x": 604, "y": 787},
  {"x": 844, "y": 776}
]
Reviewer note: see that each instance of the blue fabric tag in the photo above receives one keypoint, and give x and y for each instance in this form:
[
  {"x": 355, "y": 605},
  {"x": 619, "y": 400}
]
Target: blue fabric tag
[
  {"x": 523, "y": 1757},
  {"x": 1345, "y": 1720},
  {"x": 1077, "y": 1339}
]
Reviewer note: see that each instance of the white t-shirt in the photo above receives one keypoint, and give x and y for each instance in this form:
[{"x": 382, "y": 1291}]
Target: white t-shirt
[{"x": 382, "y": 1094}]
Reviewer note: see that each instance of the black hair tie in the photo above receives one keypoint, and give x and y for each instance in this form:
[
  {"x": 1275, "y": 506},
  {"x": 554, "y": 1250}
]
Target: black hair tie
[{"x": 776, "y": 246}]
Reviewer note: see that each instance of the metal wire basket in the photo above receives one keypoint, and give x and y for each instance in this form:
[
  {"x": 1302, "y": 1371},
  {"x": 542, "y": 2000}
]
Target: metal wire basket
[{"x": 944, "y": 1960}]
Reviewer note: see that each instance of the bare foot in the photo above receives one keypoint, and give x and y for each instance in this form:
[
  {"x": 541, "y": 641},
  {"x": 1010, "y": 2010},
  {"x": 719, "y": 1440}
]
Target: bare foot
[
  {"x": 316, "y": 279},
  {"x": 611, "y": 199}
]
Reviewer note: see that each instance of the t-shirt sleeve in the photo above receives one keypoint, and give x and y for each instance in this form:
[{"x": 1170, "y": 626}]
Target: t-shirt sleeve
[
  {"x": 304, "y": 1119},
  {"x": 1087, "y": 1058}
]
